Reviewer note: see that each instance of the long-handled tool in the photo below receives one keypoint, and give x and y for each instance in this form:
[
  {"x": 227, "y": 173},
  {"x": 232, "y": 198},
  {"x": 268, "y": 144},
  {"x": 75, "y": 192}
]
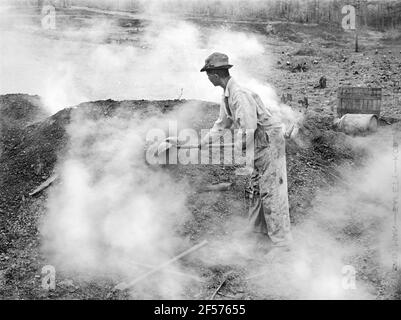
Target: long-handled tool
[{"x": 167, "y": 144}]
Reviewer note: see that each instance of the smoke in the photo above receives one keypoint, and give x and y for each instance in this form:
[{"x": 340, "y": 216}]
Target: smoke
[
  {"x": 73, "y": 64},
  {"x": 344, "y": 248},
  {"x": 111, "y": 213}
]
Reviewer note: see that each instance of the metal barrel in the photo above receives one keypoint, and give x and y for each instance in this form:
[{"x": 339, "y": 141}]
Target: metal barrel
[{"x": 358, "y": 123}]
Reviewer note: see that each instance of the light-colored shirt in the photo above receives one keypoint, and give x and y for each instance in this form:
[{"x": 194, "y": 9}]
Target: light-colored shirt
[{"x": 242, "y": 109}]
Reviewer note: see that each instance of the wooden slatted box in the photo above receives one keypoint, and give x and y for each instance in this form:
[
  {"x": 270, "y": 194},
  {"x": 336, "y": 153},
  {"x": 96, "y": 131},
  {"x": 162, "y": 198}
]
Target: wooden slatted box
[{"x": 358, "y": 100}]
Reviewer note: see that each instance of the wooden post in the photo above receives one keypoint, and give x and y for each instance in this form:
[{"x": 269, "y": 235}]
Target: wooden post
[
  {"x": 356, "y": 40},
  {"x": 357, "y": 6},
  {"x": 317, "y": 11}
]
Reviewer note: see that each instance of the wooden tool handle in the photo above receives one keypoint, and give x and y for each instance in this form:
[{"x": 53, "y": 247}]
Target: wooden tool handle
[{"x": 193, "y": 146}]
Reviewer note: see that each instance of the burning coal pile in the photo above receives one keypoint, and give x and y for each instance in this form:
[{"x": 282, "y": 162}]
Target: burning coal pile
[{"x": 127, "y": 195}]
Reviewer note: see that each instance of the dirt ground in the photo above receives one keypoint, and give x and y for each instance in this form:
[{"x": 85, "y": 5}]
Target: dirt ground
[{"x": 32, "y": 141}]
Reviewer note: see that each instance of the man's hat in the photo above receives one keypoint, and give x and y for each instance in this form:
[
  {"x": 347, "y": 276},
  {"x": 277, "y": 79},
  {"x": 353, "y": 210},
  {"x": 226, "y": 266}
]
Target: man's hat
[{"x": 215, "y": 61}]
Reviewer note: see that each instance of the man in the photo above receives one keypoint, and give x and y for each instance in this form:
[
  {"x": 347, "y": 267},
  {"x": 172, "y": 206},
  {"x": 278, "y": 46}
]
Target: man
[{"x": 267, "y": 191}]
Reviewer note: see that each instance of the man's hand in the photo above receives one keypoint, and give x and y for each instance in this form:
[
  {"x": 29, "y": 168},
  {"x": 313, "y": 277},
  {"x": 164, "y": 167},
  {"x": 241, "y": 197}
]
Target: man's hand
[
  {"x": 173, "y": 140},
  {"x": 182, "y": 144}
]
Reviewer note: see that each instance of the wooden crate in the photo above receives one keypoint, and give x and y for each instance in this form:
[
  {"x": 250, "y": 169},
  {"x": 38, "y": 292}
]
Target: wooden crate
[{"x": 359, "y": 100}]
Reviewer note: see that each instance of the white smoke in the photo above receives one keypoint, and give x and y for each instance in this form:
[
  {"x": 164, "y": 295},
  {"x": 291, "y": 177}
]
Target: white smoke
[
  {"x": 344, "y": 247},
  {"x": 112, "y": 212},
  {"x": 70, "y": 65}
]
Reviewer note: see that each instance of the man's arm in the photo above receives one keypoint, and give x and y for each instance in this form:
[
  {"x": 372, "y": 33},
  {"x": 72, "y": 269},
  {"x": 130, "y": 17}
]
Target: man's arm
[
  {"x": 222, "y": 123},
  {"x": 246, "y": 116}
]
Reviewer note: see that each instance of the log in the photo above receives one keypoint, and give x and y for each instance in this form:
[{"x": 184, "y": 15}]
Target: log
[
  {"x": 224, "y": 186},
  {"x": 44, "y": 185},
  {"x": 221, "y": 284}
]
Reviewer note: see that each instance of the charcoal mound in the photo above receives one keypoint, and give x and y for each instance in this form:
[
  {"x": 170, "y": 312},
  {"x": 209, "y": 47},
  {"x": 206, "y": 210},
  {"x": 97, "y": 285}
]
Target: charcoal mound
[{"x": 32, "y": 142}]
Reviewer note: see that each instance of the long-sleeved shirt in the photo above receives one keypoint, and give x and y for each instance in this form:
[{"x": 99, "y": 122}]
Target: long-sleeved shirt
[{"x": 242, "y": 109}]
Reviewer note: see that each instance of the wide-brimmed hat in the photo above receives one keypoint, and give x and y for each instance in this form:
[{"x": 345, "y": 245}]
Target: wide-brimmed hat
[{"x": 215, "y": 61}]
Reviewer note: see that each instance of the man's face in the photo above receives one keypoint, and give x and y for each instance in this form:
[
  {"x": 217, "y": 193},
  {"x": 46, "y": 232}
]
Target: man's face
[{"x": 213, "y": 78}]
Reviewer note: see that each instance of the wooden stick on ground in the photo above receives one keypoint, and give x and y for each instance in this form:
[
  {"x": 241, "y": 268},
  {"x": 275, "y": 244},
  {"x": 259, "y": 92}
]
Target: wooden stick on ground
[
  {"x": 123, "y": 285},
  {"x": 44, "y": 185},
  {"x": 178, "y": 273},
  {"x": 257, "y": 275},
  {"x": 226, "y": 295},
  {"x": 224, "y": 186},
  {"x": 221, "y": 284}
]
